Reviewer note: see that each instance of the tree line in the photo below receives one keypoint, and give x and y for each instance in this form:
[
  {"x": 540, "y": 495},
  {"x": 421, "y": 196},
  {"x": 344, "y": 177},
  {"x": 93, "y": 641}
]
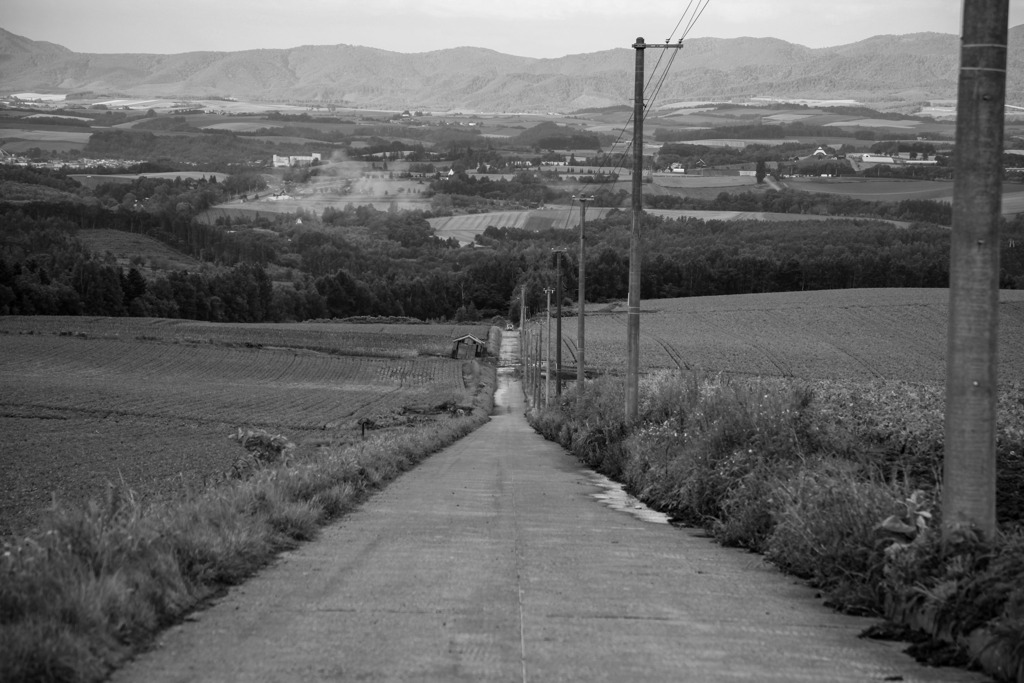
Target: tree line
[
  {"x": 361, "y": 261},
  {"x": 794, "y": 202}
]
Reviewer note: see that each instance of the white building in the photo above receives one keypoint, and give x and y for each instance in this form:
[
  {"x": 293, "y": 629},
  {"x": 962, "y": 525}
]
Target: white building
[{"x": 286, "y": 162}]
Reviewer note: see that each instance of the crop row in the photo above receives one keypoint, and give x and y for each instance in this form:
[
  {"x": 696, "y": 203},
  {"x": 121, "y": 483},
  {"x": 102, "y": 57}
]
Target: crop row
[
  {"x": 386, "y": 341},
  {"x": 234, "y": 385},
  {"x": 858, "y": 334}
]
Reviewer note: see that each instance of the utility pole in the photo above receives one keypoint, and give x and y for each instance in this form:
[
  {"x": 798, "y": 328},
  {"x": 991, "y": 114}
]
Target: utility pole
[
  {"x": 633, "y": 310},
  {"x": 531, "y": 378},
  {"x": 581, "y": 299},
  {"x": 536, "y": 375},
  {"x": 547, "y": 354},
  {"x": 969, "y": 464},
  {"x": 558, "y": 321},
  {"x": 524, "y": 357},
  {"x": 522, "y": 307}
]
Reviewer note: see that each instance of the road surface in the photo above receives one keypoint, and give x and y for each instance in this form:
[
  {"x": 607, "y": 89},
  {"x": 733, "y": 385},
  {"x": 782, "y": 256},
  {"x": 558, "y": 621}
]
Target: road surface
[{"x": 493, "y": 561}]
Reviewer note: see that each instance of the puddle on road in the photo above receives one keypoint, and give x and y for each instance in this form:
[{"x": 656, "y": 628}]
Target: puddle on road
[
  {"x": 612, "y": 494},
  {"x": 505, "y": 383},
  {"x": 615, "y": 497}
]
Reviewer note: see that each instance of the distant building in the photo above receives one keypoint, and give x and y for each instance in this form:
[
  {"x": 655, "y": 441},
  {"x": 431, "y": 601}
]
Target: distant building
[{"x": 297, "y": 160}]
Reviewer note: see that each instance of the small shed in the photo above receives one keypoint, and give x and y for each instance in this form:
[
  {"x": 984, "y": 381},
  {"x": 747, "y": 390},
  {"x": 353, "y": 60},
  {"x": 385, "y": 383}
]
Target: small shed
[{"x": 468, "y": 346}]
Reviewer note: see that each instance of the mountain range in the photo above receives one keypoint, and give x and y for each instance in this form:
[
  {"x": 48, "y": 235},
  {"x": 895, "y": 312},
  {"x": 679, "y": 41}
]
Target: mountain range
[{"x": 888, "y": 72}]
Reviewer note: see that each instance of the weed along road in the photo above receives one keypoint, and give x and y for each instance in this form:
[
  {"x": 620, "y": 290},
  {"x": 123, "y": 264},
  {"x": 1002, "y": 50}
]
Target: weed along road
[{"x": 493, "y": 561}]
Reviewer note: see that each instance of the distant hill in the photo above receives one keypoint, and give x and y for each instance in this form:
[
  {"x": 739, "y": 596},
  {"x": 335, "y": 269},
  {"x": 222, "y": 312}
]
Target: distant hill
[{"x": 889, "y": 72}]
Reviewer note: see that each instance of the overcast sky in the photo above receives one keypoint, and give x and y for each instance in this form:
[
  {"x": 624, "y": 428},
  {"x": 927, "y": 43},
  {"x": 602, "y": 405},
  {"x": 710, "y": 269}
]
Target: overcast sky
[{"x": 530, "y": 28}]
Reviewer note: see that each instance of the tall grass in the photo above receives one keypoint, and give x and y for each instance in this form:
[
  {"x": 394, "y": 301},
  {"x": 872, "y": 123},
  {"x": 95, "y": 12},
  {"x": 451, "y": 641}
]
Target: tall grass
[
  {"x": 101, "y": 579},
  {"x": 836, "y": 482}
]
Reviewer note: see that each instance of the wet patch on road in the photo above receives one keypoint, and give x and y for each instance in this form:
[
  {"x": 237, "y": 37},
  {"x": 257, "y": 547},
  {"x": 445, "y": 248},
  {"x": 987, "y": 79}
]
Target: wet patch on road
[
  {"x": 614, "y": 496},
  {"x": 502, "y": 395}
]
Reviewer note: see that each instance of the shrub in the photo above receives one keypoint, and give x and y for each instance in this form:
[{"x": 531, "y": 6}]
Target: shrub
[{"x": 826, "y": 531}]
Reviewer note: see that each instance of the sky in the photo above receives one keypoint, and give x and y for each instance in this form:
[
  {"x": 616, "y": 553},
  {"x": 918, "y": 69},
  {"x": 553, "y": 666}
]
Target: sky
[{"x": 528, "y": 28}]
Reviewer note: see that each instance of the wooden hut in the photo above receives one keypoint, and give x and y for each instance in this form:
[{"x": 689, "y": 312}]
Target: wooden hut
[{"x": 468, "y": 346}]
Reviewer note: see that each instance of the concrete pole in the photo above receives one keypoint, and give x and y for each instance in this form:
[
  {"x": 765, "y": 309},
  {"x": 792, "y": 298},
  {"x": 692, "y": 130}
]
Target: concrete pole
[
  {"x": 633, "y": 304},
  {"x": 969, "y": 465},
  {"x": 581, "y": 299}
]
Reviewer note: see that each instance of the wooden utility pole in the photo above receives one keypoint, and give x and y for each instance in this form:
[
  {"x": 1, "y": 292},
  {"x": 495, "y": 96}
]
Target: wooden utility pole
[
  {"x": 633, "y": 309},
  {"x": 522, "y": 308},
  {"x": 524, "y": 356},
  {"x": 547, "y": 354},
  {"x": 536, "y": 383},
  {"x": 558, "y": 321},
  {"x": 969, "y": 466},
  {"x": 581, "y": 299}
]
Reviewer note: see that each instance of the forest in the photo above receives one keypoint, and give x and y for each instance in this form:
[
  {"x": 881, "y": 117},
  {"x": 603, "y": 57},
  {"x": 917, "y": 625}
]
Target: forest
[{"x": 361, "y": 261}]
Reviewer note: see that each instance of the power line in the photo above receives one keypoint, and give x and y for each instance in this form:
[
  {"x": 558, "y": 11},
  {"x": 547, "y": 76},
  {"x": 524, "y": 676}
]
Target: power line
[
  {"x": 694, "y": 15},
  {"x": 698, "y": 11}
]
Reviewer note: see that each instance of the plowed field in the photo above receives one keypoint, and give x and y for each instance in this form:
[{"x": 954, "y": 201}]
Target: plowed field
[
  {"x": 86, "y": 401},
  {"x": 846, "y": 334}
]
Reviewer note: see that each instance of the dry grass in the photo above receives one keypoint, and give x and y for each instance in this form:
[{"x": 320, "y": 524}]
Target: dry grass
[{"x": 99, "y": 580}]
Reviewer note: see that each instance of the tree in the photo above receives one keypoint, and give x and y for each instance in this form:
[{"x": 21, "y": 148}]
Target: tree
[
  {"x": 761, "y": 172},
  {"x": 133, "y": 285}
]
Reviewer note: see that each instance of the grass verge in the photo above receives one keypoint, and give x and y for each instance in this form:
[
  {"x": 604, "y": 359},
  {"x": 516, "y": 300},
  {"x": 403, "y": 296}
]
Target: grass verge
[
  {"x": 98, "y": 581},
  {"x": 833, "y": 481}
]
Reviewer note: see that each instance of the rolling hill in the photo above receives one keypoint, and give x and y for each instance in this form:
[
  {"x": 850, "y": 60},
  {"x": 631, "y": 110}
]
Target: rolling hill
[{"x": 888, "y": 71}]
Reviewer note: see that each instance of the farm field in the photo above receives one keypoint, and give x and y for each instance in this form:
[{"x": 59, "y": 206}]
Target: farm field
[
  {"x": 882, "y": 189},
  {"x": 253, "y": 210},
  {"x": 152, "y": 402},
  {"x": 351, "y": 339},
  {"x": 466, "y": 227},
  {"x": 685, "y": 181},
  {"x": 891, "y": 190},
  {"x": 127, "y": 245},
  {"x": 863, "y": 334},
  {"x": 20, "y": 140},
  {"x": 314, "y": 203},
  {"x": 94, "y": 181},
  {"x": 755, "y": 216}
]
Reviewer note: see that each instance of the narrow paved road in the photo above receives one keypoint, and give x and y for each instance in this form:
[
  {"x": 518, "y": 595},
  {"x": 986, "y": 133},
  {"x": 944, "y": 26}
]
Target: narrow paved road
[{"x": 492, "y": 561}]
